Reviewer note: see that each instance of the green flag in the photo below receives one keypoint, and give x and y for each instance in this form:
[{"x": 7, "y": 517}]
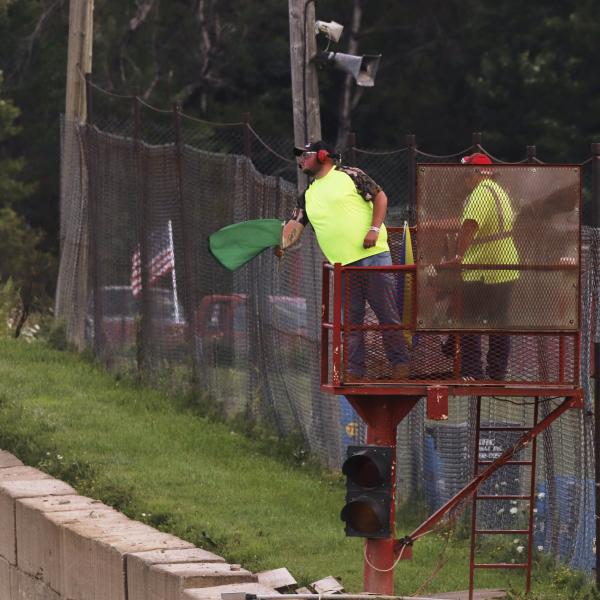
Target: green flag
[{"x": 235, "y": 245}]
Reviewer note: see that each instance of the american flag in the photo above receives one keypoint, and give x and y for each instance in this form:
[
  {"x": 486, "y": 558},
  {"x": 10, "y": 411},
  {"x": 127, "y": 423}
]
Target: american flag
[{"x": 160, "y": 248}]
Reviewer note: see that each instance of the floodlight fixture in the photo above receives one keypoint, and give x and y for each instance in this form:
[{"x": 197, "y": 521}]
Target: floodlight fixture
[
  {"x": 362, "y": 68},
  {"x": 331, "y": 29}
]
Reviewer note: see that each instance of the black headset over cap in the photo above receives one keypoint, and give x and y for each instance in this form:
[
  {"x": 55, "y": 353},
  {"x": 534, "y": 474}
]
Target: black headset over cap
[{"x": 315, "y": 147}]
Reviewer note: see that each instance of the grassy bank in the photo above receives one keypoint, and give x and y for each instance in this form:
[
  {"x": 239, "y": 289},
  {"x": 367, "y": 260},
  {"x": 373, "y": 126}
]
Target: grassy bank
[{"x": 159, "y": 461}]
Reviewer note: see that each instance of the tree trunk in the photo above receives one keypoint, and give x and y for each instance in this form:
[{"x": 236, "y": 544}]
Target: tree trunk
[{"x": 22, "y": 318}]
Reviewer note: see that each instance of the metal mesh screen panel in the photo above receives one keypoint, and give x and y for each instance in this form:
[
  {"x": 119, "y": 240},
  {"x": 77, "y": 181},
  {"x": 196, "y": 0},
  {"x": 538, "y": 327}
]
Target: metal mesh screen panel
[{"x": 528, "y": 218}]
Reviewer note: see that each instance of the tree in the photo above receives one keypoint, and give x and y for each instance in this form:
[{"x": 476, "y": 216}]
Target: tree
[
  {"x": 21, "y": 259},
  {"x": 12, "y": 189}
]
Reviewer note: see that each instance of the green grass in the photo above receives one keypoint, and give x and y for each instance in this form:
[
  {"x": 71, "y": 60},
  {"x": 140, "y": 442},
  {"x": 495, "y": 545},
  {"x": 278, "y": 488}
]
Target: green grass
[{"x": 248, "y": 498}]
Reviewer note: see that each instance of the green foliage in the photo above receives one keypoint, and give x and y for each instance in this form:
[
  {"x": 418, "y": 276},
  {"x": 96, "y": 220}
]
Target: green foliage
[
  {"x": 26, "y": 437},
  {"x": 29, "y": 269},
  {"x": 9, "y": 303},
  {"x": 56, "y": 334},
  {"x": 17, "y": 243},
  {"x": 561, "y": 583},
  {"x": 12, "y": 187}
]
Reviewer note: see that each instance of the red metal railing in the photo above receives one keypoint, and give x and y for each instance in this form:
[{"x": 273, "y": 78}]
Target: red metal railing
[{"x": 543, "y": 361}]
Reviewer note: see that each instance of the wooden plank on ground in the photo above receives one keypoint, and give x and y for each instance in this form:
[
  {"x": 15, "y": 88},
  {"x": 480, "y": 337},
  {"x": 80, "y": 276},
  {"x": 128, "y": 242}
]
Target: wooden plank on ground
[
  {"x": 327, "y": 585},
  {"x": 279, "y": 579}
]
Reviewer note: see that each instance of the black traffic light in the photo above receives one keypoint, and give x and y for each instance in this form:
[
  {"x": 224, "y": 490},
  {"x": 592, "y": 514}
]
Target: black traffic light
[{"x": 368, "y": 491}]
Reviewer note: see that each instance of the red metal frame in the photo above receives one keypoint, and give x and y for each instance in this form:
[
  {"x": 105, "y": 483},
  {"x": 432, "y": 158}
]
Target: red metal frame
[{"x": 340, "y": 329}]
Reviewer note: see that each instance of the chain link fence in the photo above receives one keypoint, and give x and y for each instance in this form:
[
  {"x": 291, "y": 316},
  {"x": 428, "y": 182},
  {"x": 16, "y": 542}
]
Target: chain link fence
[{"x": 141, "y": 190}]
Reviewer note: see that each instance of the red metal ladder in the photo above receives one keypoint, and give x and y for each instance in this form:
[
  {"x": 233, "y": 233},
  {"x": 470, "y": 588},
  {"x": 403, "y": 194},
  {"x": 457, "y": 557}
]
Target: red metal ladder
[{"x": 477, "y": 497}]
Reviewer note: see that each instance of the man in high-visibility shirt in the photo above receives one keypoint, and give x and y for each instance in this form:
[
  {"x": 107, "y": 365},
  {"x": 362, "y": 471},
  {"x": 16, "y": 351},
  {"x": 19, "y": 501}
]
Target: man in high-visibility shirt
[
  {"x": 346, "y": 209},
  {"x": 485, "y": 237}
]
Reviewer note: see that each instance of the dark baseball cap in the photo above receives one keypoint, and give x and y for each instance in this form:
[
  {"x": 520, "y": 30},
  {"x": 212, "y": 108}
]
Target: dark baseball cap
[{"x": 315, "y": 147}]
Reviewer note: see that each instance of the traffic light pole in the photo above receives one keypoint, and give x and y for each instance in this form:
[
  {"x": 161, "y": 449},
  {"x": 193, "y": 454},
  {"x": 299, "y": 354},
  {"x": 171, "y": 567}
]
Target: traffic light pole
[{"x": 382, "y": 415}]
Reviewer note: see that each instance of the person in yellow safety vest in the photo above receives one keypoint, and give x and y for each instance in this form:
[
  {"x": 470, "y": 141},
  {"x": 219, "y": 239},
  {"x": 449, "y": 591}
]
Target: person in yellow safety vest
[
  {"x": 485, "y": 237},
  {"x": 346, "y": 209}
]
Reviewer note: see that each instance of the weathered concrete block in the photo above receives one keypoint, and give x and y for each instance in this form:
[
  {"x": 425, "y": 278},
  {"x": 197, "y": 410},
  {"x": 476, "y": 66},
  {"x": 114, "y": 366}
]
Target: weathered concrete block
[
  {"x": 39, "y": 533},
  {"x": 4, "y": 580},
  {"x": 61, "y": 503},
  {"x": 10, "y": 491},
  {"x": 8, "y": 460},
  {"x": 33, "y": 488},
  {"x": 101, "y": 552},
  {"x": 110, "y": 556},
  {"x": 214, "y": 593},
  {"x": 167, "y": 582},
  {"x": 76, "y": 531},
  {"x": 22, "y": 474},
  {"x": 24, "y": 587},
  {"x": 139, "y": 563},
  {"x": 179, "y": 555}
]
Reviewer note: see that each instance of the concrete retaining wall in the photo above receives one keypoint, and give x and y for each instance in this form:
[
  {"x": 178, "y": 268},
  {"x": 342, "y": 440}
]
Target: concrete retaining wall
[{"x": 57, "y": 545}]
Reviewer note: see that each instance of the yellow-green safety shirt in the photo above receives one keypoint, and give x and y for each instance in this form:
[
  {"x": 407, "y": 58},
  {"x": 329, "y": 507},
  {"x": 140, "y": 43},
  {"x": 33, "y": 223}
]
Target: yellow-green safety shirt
[{"x": 341, "y": 217}]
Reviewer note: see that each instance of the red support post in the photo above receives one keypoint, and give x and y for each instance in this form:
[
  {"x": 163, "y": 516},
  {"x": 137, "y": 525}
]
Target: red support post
[
  {"x": 337, "y": 322},
  {"x": 382, "y": 415},
  {"x": 324, "y": 329}
]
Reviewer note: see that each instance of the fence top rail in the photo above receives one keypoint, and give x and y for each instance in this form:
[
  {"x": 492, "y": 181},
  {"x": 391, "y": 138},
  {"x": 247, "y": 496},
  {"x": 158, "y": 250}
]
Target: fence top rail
[{"x": 530, "y": 158}]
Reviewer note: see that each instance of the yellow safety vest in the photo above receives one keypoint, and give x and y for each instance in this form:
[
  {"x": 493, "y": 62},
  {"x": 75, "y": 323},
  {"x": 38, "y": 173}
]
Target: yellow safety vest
[{"x": 490, "y": 207}]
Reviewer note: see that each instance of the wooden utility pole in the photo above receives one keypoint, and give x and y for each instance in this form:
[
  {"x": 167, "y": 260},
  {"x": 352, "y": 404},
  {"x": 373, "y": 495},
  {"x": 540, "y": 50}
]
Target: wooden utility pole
[
  {"x": 305, "y": 87},
  {"x": 79, "y": 58},
  {"x": 72, "y": 289}
]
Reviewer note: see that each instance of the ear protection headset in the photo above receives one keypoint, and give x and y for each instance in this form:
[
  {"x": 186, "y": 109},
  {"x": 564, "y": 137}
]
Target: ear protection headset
[{"x": 323, "y": 155}]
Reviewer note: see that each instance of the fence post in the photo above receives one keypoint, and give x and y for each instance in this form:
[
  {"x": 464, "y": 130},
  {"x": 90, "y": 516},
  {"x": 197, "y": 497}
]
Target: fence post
[
  {"x": 595, "y": 224},
  {"x": 351, "y": 148},
  {"x": 476, "y": 137},
  {"x": 247, "y": 136},
  {"x": 88, "y": 98},
  {"x": 411, "y": 142},
  {"x": 141, "y": 186},
  {"x": 531, "y": 154},
  {"x": 98, "y": 310},
  {"x": 189, "y": 293}
]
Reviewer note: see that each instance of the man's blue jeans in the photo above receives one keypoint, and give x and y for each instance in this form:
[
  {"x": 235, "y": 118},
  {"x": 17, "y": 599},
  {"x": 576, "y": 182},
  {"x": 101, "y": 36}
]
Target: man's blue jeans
[{"x": 379, "y": 289}]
